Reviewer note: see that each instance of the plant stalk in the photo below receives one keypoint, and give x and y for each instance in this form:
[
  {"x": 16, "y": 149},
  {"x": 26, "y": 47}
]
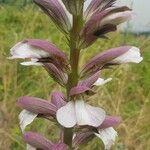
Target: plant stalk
[{"x": 74, "y": 62}]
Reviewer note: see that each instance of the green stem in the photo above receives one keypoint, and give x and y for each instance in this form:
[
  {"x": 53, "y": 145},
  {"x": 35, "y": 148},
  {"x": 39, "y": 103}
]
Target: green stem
[{"x": 74, "y": 62}]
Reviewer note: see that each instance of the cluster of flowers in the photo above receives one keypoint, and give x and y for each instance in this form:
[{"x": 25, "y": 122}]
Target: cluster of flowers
[{"x": 98, "y": 18}]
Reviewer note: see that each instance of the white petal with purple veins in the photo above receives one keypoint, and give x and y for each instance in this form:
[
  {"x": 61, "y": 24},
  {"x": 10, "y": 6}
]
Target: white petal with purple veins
[
  {"x": 108, "y": 136},
  {"x": 26, "y": 117},
  {"x": 101, "y": 81},
  {"x": 66, "y": 115},
  {"x": 88, "y": 115},
  {"x": 132, "y": 55}
]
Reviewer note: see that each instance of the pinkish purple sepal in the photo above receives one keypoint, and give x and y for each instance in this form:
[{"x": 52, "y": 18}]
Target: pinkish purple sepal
[
  {"x": 40, "y": 142},
  {"x": 80, "y": 89},
  {"x": 37, "y": 141},
  {"x": 58, "y": 99},
  {"x": 37, "y": 106},
  {"x": 110, "y": 121},
  {"x": 90, "y": 81}
]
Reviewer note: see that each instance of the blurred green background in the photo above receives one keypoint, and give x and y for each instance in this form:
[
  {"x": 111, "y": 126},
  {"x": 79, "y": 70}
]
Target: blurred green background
[{"x": 127, "y": 95}]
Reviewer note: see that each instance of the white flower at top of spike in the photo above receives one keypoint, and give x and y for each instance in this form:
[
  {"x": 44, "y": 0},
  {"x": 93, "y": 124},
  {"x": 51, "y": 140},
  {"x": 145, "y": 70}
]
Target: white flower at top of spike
[
  {"x": 101, "y": 81},
  {"x": 108, "y": 136},
  {"x": 79, "y": 113}
]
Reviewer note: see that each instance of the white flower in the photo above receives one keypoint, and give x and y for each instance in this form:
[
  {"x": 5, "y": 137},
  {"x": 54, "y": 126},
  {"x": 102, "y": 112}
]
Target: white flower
[
  {"x": 29, "y": 147},
  {"x": 101, "y": 81},
  {"x": 132, "y": 55},
  {"x": 108, "y": 136},
  {"x": 24, "y": 50},
  {"x": 79, "y": 113},
  {"x": 26, "y": 117}
]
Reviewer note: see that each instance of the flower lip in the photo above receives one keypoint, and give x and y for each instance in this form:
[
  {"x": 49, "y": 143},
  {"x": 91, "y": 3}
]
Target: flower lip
[
  {"x": 108, "y": 136},
  {"x": 79, "y": 113}
]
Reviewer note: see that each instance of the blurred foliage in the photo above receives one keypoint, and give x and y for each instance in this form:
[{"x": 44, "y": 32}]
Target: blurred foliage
[
  {"x": 127, "y": 95},
  {"x": 16, "y": 2}
]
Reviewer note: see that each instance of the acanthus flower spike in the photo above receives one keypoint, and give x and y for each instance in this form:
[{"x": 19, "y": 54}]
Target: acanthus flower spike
[
  {"x": 82, "y": 27},
  {"x": 80, "y": 113},
  {"x": 56, "y": 10},
  {"x": 114, "y": 56}
]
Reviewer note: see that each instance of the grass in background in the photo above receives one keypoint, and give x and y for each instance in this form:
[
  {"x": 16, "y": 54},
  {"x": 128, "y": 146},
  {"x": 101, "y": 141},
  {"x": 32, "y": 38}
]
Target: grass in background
[{"x": 127, "y": 95}]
